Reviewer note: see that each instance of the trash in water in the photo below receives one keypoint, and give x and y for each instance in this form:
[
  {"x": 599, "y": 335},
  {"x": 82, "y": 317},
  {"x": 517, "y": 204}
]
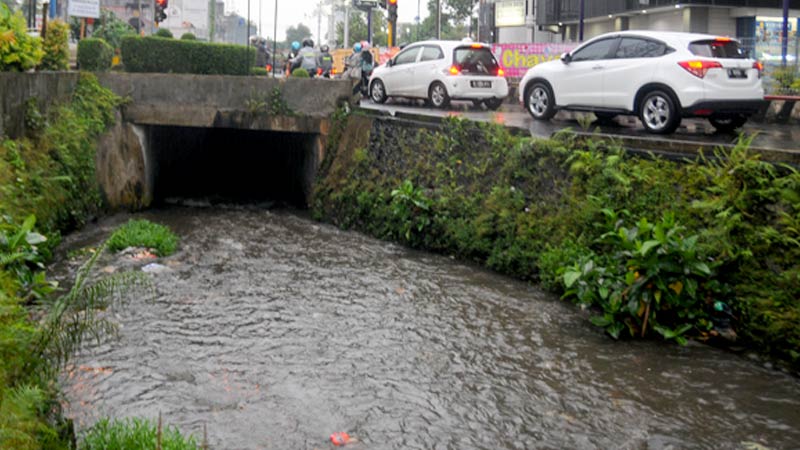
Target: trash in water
[
  {"x": 340, "y": 438},
  {"x": 156, "y": 268}
]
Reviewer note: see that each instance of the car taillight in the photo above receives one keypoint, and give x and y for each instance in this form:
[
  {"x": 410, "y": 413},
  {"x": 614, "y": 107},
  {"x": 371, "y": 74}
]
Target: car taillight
[
  {"x": 699, "y": 68},
  {"x": 501, "y": 72},
  {"x": 454, "y": 70},
  {"x": 760, "y": 67},
  {"x": 333, "y": 71}
]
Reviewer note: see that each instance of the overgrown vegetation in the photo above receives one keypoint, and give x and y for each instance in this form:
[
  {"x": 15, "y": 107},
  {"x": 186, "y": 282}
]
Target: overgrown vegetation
[
  {"x": 18, "y": 51},
  {"x": 134, "y": 434},
  {"x": 112, "y": 29},
  {"x": 143, "y": 233},
  {"x": 56, "y": 47},
  {"x": 703, "y": 248},
  {"x": 95, "y": 55},
  {"x": 300, "y": 73},
  {"x": 160, "y": 55},
  {"x": 164, "y": 33},
  {"x": 49, "y": 176}
]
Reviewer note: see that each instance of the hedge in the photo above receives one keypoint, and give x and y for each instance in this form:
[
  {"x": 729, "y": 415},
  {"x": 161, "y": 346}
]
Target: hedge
[
  {"x": 94, "y": 55},
  {"x": 153, "y": 54}
]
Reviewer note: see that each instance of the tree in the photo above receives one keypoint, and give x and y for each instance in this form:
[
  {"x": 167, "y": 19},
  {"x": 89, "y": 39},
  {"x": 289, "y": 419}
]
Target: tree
[
  {"x": 358, "y": 28},
  {"x": 297, "y": 33}
]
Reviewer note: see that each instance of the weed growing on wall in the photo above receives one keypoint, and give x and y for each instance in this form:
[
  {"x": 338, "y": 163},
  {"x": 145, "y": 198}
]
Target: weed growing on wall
[{"x": 657, "y": 248}]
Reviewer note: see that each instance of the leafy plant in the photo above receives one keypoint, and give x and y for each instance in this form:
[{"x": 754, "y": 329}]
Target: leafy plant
[
  {"x": 55, "y": 46},
  {"x": 20, "y": 256},
  {"x": 112, "y": 29},
  {"x": 143, "y": 233},
  {"x": 188, "y": 37},
  {"x": 277, "y": 104},
  {"x": 18, "y": 51},
  {"x": 95, "y": 55},
  {"x": 410, "y": 208},
  {"x": 134, "y": 434},
  {"x": 300, "y": 73},
  {"x": 164, "y": 33}
]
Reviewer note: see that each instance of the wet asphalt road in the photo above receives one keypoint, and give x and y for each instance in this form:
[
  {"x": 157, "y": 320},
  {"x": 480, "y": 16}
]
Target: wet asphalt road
[{"x": 782, "y": 137}]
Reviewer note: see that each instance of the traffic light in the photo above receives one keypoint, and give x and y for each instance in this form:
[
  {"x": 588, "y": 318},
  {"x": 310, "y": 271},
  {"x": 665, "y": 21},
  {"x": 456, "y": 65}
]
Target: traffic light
[
  {"x": 391, "y": 7},
  {"x": 160, "y": 13}
]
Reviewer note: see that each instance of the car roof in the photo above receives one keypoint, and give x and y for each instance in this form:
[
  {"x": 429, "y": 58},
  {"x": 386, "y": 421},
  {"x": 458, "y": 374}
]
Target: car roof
[
  {"x": 667, "y": 36},
  {"x": 449, "y": 44}
]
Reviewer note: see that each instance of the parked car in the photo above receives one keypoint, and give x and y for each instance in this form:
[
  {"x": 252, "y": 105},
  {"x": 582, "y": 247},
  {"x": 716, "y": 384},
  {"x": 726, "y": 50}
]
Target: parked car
[
  {"x": 659, "y": 76},
  {"x": 440, "y": 71}
]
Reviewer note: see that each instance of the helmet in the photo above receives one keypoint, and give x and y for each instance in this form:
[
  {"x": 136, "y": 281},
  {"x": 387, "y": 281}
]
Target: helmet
[
  {"x": 308, "y": 43},
  {"x": 357, "y": 47},
  {"x": 365, "y": 45},
  {"x": 253, "y": 39},
  {"x": 324, "y": 48},
  {"x": 295, "y": 45}
]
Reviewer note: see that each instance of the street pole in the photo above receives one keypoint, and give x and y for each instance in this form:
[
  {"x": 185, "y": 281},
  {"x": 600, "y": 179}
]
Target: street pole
[
  {"x": 212, "y": 19},
  {"x": 438, "y": 19},
  {"x": 369, "y": 25},
  {"x": 319, "y": 23},
  {"x": 418, "y": 21},
  {"x": 275, "y": 42},
  {"x": 346, "y": 42},
  {"x": 152, "y": 19},
  {"x": 139, "y": 19},
  {"x": 260, "y": 30},
  {"x": 580, "y": 22},
  {"x": 44, "y": 20},
  {"x": 247, "y": 37},
  {"x": 785, "y": 32}
]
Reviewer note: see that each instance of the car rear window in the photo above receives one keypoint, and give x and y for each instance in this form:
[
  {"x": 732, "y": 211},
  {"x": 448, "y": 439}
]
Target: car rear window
[
  {"x": 475, "y": 60},
  {"x": 717, "y": 48}
]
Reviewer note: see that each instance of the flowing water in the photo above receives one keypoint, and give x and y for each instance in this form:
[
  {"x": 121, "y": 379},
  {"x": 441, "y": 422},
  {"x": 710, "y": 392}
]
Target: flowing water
[{"x": 275, "y": 331}]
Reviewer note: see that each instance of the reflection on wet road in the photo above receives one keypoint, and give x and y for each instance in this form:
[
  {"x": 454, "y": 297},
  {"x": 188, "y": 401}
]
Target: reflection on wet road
[
  {"x": 277, "y": 331},
  {"x": 769, "y": 136}
]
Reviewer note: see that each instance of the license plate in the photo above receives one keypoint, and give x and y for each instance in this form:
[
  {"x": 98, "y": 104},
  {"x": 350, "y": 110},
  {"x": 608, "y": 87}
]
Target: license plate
[
  {"x": 480, "y": 84},
  {"x": 737, "y": 73}
]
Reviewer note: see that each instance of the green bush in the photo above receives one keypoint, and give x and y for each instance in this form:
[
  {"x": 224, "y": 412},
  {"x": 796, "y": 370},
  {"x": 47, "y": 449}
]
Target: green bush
[
  {"x": 94, "y": 55},
  {"x": 112, "y": 29},
  {"x": 143, "y": 233},
  {"x": 300, "y": 73},
  {"x": 164, "y": 33},
  {"x": 152, "y": 54},
  {"x": 259, "y": 71},
  {"x": 188, "y": 37},
  {"x": 56, "y": 48},
  {"x": 133, "y": 434},
  {"x": 18, "y": 51}
]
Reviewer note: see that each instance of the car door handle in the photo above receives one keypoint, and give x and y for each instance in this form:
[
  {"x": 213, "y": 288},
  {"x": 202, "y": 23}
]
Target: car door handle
[{"x": 597, "y": 68}]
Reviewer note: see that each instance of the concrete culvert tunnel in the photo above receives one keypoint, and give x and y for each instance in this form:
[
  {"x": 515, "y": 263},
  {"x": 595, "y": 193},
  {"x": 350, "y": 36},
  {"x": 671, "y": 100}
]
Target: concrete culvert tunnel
[{"x": 224, "y": 164}]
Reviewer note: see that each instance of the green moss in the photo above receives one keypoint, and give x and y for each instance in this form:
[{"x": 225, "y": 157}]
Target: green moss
[
  {"x": 143, "y": 233},
  {"x": 530, "y": 208}
]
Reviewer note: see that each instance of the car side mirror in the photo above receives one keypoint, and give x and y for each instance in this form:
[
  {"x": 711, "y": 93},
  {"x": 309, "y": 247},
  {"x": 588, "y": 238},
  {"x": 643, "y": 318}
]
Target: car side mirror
[{"x": 566, "y": 58}]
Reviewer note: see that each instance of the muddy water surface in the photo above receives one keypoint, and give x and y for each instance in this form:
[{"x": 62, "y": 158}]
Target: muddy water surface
[{"x": 275, "y": 331}]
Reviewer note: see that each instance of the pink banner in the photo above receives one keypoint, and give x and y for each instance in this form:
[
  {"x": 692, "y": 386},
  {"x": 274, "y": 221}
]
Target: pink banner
[{"x": 516, "y": 59}]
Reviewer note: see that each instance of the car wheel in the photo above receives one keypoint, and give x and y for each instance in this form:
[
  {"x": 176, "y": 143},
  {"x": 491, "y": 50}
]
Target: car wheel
[
  {"x": 493, "y": 103},
  {"x": 539, "y": 101},
  {"x": 727, "y": 123},
  {"x": 437, "y": 95},
  {"x": 378, "y": 91},
  {"x": 658, "y": 113}
]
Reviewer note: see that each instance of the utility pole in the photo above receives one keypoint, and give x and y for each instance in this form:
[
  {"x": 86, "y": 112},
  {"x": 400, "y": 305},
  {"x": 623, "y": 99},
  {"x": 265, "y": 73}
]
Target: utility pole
[
  {"x": 369, "y": 25},
  {"x": 580, "y": 22},
  {"x": 319, "y": 23},
  {"x": 785, "y": 32},
  {"x": 438, "y": 19},
  {"x": 332, "y": 25},
  {"x": 275, "y": 42},
  {"x": 346, "y": 42},
  {"x": 212, "y": 19}
]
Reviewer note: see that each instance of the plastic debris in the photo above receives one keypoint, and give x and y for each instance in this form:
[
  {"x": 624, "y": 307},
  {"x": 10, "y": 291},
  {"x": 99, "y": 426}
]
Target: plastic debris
[
  {"x": 340, "y": 438},
  {"x": 156, "y": 268}
]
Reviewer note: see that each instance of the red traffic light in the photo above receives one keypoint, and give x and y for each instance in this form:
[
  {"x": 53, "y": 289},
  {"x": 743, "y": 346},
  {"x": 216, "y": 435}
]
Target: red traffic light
[
  {"x": 392, "y": 2},
  {"x": 163, "y": 3}
]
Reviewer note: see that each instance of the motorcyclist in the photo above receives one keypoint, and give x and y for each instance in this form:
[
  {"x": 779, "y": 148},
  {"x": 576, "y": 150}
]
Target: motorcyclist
[
  {"x": 287, "y": 66},
  {"x": 306, "y": 58},
  {"x": 367, "y": 64},
  {"x": 352, "y": 67},
  {"x": 325, "y": 61}
]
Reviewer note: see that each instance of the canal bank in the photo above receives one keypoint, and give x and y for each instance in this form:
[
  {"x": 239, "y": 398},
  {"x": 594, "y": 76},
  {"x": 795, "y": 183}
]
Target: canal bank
[{"x": 553, "y": 210}]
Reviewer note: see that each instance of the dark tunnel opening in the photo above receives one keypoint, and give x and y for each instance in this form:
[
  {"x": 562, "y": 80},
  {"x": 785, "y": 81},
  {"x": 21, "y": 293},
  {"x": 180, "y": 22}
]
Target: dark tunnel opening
[{"x": 231, "y": 165}]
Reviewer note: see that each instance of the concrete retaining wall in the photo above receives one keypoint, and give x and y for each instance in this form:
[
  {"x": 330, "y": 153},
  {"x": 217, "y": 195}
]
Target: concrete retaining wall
[{"x": 47, "y": 88}]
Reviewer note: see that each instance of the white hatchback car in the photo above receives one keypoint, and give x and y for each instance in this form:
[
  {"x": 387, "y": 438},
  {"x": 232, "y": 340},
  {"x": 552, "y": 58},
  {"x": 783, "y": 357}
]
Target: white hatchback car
[
  {"x": 658, "y": 76},
  {"x": 439, "y": 71}
]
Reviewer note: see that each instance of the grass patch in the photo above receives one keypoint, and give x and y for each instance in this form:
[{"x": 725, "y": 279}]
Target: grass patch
[
  {"x": 133, "y": 434},
  {"x": 143, "y": 233}
]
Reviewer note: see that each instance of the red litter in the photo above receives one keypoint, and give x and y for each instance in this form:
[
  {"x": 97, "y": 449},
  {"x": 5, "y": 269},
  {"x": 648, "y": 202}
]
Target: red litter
[{"x": 340, "y": 438}]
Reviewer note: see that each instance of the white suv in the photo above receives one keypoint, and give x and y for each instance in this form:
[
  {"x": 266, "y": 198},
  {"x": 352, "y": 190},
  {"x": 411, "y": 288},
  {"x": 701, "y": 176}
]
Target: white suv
[
  {"x": 659, "y": 76},
  {"x": 439, "y": 71}
]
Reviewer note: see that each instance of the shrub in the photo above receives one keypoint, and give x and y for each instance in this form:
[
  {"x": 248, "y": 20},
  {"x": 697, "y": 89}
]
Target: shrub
[
  {"x": 18, "y": 51},
  {"x": 164, "y": 33},
  {"x": 112, "y": 29},
  {"x": 152, "y": 54},
  {"x": 188, "y": 37},
  {"x": 56, "y": 48},
  {"x": 133, "y": 434},
  {"x": 300, "y": 73},
  {"x": 94, "y": 55},
  {"x": 143, "y": 233},
  {"x": 259, "y": 71}
]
